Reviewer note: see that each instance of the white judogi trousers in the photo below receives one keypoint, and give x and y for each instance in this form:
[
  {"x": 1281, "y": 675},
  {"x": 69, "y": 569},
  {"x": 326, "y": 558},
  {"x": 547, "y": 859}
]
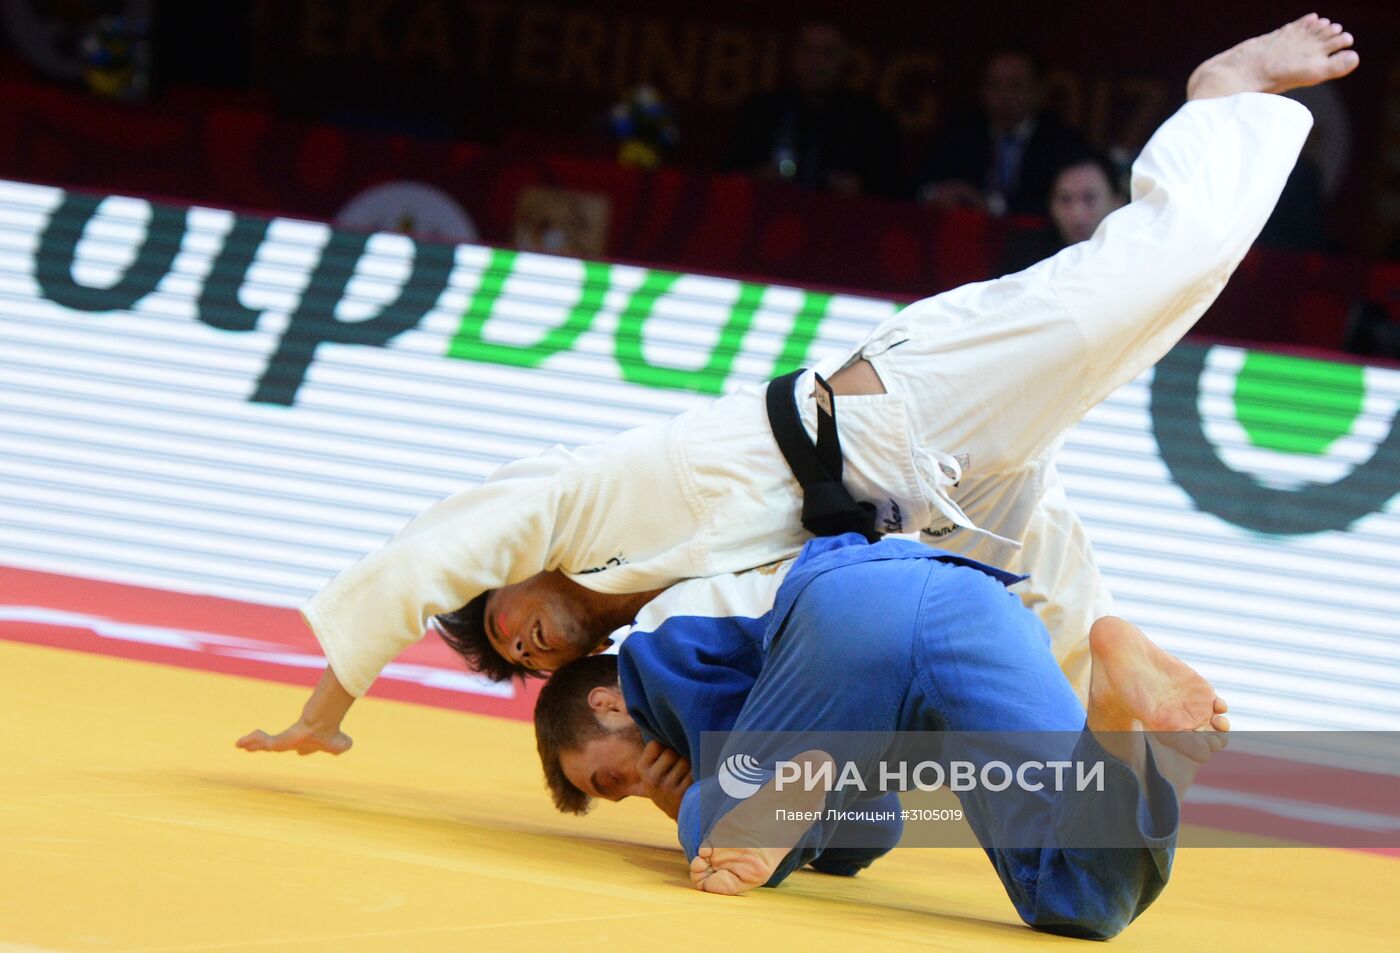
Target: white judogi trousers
[{"x": 982, "y": 383}]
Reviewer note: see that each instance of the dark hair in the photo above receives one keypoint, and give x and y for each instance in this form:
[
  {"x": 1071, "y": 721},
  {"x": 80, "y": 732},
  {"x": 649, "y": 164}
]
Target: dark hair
[
  {"x": 564, "y": 721},
  {"x": 1073, "y": 158},
  {"x": 464, "y": 631}
]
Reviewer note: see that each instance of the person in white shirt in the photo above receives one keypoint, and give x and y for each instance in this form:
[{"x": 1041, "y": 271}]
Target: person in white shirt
[{"x": 951, "y": 412}]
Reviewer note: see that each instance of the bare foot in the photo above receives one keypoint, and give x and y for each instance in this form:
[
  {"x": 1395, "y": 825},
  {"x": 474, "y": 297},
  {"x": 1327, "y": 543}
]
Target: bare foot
[
  {"x": 732, "y": 870},
  {"x": 1136, "y": 686},
  {"x": 758, "y": 832},
  {"x": 1308, "y": 51}
]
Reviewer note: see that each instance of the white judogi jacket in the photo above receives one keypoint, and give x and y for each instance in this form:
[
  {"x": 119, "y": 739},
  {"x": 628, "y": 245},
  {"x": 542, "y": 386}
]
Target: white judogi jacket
[{"x": 982, "y": 383}]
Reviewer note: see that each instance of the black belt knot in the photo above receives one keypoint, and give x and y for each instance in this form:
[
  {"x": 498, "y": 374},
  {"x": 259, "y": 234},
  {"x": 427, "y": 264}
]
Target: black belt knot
[{"x": 828, "y": 508}]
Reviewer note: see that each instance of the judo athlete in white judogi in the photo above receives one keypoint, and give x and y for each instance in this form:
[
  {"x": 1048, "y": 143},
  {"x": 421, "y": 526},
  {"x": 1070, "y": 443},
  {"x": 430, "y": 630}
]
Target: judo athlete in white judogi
[{"x": 950, "y": 414}]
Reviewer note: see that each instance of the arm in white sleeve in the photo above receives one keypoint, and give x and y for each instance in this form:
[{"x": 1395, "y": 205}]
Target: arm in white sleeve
[
  {"x": 499, "y": 532},
  {"x": 1202, "y": 189},
  {"x": 603, "y": 512}
]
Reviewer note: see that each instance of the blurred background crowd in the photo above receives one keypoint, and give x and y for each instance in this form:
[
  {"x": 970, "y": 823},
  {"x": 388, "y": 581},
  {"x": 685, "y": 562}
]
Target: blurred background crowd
[{"x": 894, "y": 149}]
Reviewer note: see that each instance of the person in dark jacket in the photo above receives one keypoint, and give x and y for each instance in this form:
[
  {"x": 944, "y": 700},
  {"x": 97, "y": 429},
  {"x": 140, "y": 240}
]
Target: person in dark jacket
[
  {"x": 1001, "y": 157},
  {"x": 1085, "y": 189},
  {"x": 818, "y": 132}
]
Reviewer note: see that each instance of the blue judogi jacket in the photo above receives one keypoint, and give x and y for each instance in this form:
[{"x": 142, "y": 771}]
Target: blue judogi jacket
[
  {"x": 690, "y": 675},
  {"x": 689, "y": 664}
]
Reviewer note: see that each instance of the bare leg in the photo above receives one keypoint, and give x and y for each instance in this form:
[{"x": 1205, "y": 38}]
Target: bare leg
[{"x": 1308, "y": 51}]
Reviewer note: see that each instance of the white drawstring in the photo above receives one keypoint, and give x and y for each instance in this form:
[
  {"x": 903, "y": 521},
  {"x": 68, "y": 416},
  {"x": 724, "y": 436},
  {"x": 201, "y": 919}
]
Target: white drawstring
[{"x": 938, "y": 471}]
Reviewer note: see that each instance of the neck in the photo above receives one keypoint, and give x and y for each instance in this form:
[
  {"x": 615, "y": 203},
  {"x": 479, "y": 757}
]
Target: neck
[
  {"x": 622, "y": 609},
  {"x": 607, "y": 612}
]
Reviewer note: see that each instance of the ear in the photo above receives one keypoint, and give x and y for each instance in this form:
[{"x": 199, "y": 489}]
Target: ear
[
  {"x": 602, "y": 647},
  {"x": 605, "y": 699}
]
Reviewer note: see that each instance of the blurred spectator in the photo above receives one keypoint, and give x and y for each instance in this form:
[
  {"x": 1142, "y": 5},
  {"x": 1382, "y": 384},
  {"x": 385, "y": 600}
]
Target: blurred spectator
[
  {"x": 1084, "y": 190},
  {"x": 1296, "y": 224},
  {"x": 116, "y": 51},
  {"x": 104, "y": 44},
  {"x": 818, "y": 132},
  {"x": 1002, "y": 156},
  {"x": 1373, "y": 327},
  {"x": 643, "y": 128}
]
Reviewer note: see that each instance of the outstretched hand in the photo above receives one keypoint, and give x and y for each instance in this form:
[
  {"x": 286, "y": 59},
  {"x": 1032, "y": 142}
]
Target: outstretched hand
[
  {"x": 318, "y": 728},
  {"x": 301, "y": 738}
]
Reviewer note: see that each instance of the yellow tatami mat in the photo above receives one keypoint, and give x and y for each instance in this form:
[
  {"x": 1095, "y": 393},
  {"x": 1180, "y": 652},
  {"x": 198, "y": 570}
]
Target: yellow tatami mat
[{"x": 130, "y": 822}]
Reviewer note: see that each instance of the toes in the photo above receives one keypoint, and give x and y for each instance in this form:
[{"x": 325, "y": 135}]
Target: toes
[
  {"x": 1339, "y": 42},
  {"x": 1220, "y": 706},
  {"x": 722, "y": 882},
  {"x": 1195, "y": 745},
  {"x": 1220, "y": 723},
  {"x": 1340, "y": 64},
  {"x": 254, "y": 741}
]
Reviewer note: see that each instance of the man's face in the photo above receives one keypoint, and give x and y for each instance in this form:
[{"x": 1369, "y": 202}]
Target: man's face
[
  {"x": 819, "y": 59},
  {"x": 1081, "y": 198},
  {"x": 540, "y": 623},
  {"x": 608, "y": 766},
  {"x": 1010, "y": 91}
]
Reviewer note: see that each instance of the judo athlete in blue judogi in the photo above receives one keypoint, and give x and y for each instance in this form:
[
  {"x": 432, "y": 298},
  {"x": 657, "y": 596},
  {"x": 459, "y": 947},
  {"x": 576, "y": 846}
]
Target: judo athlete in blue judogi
[
  {"x": 880, "y": 639},
  {"x": 692, "y": 678}
]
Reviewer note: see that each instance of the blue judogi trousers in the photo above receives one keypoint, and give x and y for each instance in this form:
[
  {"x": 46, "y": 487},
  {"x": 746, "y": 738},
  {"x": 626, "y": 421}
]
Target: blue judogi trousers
[{"x": 895, "y": 637}]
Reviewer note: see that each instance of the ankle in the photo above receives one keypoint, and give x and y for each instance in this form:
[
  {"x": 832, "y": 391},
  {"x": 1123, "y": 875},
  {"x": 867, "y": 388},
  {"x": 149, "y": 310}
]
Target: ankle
[
  {"x": 1211, "y": 81},
  {"x": 1109, "y": 720}
]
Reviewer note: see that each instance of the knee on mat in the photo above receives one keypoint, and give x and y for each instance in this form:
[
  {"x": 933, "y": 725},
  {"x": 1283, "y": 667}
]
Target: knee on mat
[{"x": 1085, "y": 927}]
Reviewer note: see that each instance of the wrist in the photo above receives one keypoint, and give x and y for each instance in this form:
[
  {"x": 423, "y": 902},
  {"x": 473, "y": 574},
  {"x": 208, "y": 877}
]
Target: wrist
[
  {"x": 318, "y": 723},
  {"x": 326, "y": 708}
]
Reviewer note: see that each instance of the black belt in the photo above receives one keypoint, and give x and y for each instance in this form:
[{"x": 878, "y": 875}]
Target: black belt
[{"x": 828, "y": 508}]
